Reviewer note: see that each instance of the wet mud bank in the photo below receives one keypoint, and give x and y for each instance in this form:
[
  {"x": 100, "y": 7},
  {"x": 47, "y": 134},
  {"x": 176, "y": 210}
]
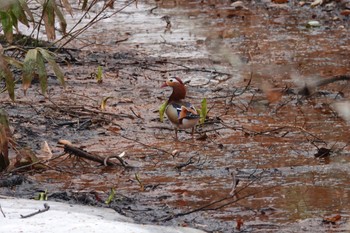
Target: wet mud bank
[{"x": 272, "y": 86}]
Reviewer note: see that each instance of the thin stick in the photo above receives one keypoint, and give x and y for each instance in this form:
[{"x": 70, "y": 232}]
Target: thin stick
[
  {"x": 46, "y": 208},
  {"x": 2, "y": 212}
]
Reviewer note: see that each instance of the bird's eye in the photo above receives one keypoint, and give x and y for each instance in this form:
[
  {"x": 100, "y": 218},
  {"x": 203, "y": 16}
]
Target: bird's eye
[{"x": 170, "y": 80}]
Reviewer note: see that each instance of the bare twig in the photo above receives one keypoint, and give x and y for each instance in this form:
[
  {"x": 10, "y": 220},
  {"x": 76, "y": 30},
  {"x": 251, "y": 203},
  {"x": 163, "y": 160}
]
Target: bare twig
[
  {"x": 2, "y": 212},
  {"x": 188, "y": 162},
  {"x": 148, "y": 146},
  {"x": 119, "y": 157},
  {"x": 221, "y": 200},
  {"x": 244, "y": 90},
  {"x": 98, "y": 17}
]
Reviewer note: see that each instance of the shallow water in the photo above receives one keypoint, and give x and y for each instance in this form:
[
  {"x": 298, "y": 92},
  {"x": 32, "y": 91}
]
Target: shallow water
[{"x": 266, "y": 134}]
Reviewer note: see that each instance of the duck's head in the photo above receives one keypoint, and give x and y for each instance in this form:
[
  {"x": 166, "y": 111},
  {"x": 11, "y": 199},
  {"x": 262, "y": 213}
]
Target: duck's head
[
  {"x": 173, "y": 82},
  {"x": 179, "y": 89}
]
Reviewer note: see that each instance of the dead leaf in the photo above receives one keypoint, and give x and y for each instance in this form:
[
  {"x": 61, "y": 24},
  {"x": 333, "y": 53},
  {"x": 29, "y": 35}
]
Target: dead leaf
[
  {"x": 272, "y": 94},
  {"x": 279, "y": 1},
  {"x": 49, "y": 19},
  {"x": 345, "y": 12},
  {"x": 67, "y": 6},
  {"x": 110, "y": 4},
  {"x": 323, "y": 152},
  {"x": 332, "y": 220},
  {"x": 64, "y": 142},
  {"x": 239, "y": 222},
  {"x": 202, "y": 137},
  {"x": 25, "y": 157},
  {"x": 104, "y": 102}
]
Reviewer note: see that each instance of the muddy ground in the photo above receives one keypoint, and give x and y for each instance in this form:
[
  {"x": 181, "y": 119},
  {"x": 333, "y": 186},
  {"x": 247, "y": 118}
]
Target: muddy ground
[{"x": 252, "y": 62}]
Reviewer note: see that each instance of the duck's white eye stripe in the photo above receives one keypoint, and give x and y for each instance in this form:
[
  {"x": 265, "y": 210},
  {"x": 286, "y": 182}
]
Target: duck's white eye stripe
[{"x": 173, "y": 80}]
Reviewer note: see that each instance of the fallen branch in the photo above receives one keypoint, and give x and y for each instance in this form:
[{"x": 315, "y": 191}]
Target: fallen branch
[
  {"x": 46, "y": 208},
  {"x": 81, "y": 153}
]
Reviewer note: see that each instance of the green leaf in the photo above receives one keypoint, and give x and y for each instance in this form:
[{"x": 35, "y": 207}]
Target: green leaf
[
  {"x": 41, "y": 72},
  {"x": 4, "y": 139},
  {"x": 18, "y": 11},
  {"x": 203, "y": 112},
  {"x": 29, "y": 68},
  {"x": 10, "y": 85},
  {"x": 27, "y": 10},
  {"x": 110, "y": 197},
  {"x": 12, "y": 61},
  {"x": 14, "y": 20},
  {"x": 99, "y": 74},
  {"x": 6, "y": 21},
  {"x": 162, "y": 109},
  {"x": 5, "y": 73},
  {"x": 42, "y": 196},
  {"x": 53, "y": 64}
]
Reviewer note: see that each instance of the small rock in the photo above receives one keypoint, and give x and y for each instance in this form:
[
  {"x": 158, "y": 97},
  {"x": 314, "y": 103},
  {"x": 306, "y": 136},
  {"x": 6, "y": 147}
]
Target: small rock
[
  {"x": 329, "y": 6},
  {"x": 175, "y": 153},
  {"x": 313, "y": 23},
  {"x": 316, "y": 3},
  {"x": 238, "y": 5},
  {"x": 347, "y": 5}
]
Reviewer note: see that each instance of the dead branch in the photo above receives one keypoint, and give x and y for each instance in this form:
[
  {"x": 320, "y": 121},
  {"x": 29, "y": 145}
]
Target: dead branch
[
  {"x": 188, "y": 162},
  {"x": 46, "y": 208},
  {"x": 244, "y": 90},
  {"x": 81, "y": 153}
]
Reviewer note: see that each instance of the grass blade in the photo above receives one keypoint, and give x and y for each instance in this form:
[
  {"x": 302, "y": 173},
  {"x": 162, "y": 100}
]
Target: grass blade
[
  {"x": 204, "y": 111},
  {"x": 162, "y": 109}
]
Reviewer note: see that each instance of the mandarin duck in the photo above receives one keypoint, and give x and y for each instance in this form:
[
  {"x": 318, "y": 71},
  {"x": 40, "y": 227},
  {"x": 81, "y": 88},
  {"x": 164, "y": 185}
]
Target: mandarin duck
[{"x": 183, "y": 115}]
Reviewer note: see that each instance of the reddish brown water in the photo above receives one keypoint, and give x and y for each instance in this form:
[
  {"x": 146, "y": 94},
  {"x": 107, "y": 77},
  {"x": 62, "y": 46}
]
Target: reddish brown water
[{"x": 269, "y": 145}]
